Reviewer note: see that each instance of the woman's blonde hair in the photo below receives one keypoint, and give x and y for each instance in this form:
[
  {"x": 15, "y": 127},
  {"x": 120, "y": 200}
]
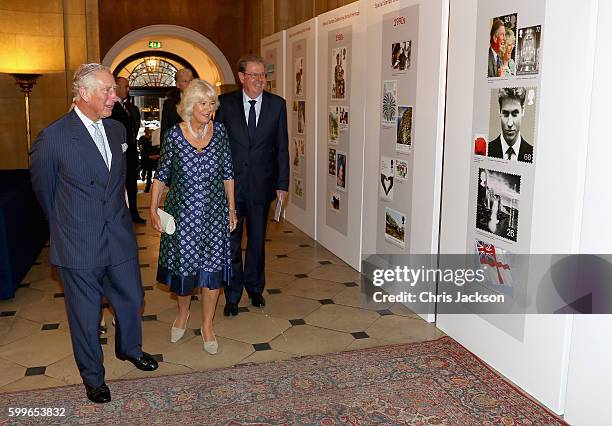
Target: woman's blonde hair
[{"x": 197, "y": 91}]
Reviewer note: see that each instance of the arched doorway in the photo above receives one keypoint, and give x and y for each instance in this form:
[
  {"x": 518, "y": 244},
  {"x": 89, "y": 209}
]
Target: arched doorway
[
  {"x": 150, "y": 56},
  {"x": 205, "y": 57}
]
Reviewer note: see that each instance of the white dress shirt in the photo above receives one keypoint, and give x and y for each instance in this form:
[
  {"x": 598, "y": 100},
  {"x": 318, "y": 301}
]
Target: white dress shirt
[
  {"x": 247, "y": 107},
  {"x": 87, "y": 122},
  {"x": 516, "y": 147}
]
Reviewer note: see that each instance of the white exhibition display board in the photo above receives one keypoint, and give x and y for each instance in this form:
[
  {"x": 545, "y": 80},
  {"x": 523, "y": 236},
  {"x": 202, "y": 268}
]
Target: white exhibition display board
[
  {"x": 341, "y": 85},
  {"x": 273, "y": 53},
  {"x": 590, "y": 371},
  {"x": 300, "y": 66},
  {"x": 406, "y": 45},
  {"x": 527, "y": 201}
]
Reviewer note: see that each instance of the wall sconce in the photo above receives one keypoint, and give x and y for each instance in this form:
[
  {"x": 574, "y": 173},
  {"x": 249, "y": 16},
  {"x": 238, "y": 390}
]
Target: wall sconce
[{"x": 26, "y": 82}]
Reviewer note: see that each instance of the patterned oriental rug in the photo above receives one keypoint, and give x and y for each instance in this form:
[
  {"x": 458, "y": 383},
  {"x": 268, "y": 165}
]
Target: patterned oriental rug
[{"x": 430, "y": 383}]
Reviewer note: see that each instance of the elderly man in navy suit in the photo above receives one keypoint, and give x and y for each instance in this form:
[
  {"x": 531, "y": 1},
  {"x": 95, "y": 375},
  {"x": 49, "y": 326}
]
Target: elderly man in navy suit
[
  {"x": 78, "y": 168},
  {"x": 257, "y": 125}
]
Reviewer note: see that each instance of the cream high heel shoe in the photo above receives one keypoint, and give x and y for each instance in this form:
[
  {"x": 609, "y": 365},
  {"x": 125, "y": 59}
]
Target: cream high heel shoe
[
  {"x": 210, "y": 347},
  {"x": 177, "y": 333}
]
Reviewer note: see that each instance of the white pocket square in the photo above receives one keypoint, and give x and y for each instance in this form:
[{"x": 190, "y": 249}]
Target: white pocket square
[{"x": 124, "y": 147}]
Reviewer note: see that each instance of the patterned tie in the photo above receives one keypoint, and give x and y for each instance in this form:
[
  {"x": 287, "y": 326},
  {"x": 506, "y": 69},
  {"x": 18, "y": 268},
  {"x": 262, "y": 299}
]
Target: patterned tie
[
  {"x": 252, "y": 124},
  {"x": 99, "y": 140},
  {"x": 510, "y": 152}
]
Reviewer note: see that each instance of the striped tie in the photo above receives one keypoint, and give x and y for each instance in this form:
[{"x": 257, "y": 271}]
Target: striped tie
[{"x": 99, "y": 140}]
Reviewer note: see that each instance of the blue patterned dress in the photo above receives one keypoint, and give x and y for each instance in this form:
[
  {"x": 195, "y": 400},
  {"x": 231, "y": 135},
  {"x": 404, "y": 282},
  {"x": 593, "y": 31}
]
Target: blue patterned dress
[{"x": 198, "y": 253}]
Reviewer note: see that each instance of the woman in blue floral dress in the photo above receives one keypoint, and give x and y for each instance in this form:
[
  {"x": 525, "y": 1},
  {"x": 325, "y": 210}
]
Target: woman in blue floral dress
[{"x": 195, "y": 162}]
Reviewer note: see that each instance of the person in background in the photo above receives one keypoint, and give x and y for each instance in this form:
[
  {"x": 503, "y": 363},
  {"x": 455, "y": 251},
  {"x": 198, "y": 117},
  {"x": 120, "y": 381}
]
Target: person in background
[
  {"x": 122, "y": 114},
  {"x": 170, "y": 116},
  {"x": 145, "y": 145}
]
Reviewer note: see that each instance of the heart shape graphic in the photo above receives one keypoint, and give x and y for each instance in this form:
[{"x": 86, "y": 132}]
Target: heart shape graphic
[{"x": 387, "y": 183}]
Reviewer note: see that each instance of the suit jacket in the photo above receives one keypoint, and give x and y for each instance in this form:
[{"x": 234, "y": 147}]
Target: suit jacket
[
  {"x": 89, "y": 222},
  {"x": 494, "y": 149},
  {"x": 261, "y": 166},
  {"x": 169, "y": 115},
  {"x": 492, "y": 67},
  {"x": 126, "y": 119}
]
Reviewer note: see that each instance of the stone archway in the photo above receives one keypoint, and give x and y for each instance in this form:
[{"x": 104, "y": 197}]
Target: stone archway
[{"x": 180, "y": 33}]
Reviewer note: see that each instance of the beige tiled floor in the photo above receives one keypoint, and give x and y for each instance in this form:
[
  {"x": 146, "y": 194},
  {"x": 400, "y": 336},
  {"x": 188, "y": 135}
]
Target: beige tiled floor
[{"x": 321, "y": 312}]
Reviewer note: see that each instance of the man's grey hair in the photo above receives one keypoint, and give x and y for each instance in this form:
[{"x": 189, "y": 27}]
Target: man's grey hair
[{"x": 85, "y": 77}]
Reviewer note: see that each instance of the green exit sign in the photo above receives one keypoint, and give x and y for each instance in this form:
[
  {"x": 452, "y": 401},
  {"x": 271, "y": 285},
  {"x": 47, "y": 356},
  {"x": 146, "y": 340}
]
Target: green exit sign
[{"x": 154, "y": 44}]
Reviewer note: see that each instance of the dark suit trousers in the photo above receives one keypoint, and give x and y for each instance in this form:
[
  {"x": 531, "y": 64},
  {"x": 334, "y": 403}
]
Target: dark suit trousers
[
  {"x": 83, "y": 292},
  {"x": 251, "y": 274}
]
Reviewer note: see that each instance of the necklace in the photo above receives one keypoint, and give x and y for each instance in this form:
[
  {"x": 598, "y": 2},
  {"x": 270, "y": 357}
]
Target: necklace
[{"x": 198, "y": 135}]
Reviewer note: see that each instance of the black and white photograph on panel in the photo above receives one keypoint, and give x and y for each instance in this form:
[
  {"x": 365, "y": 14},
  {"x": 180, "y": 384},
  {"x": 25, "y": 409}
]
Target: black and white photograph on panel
[
  {"x": 497, "y": 203},
  {"x": 299, "y": 77},
  {"x": 528, "y": 54},
  {"x": 341, "y": 165},
  {"x": 387, "y": 169},
  {"x": 334, "y": 125},
  {"x": 403, "y": 142},
  {"x": 512, "y": 124},
  {"x": 401, "y": 55},
  {"x": 334, "y": 201},
  {"x": 301, "y": 117},
  {"x": 339, "y": 70},
  {"x": 395, "y": 227},
  {"x": 331, "y": 161},
  {"x": 502, "y": 42},
  {"x": 389, "y": 103}
]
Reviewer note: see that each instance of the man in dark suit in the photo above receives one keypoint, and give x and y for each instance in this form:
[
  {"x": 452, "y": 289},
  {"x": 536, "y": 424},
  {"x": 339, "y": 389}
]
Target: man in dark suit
[
  {"x": 497, "y": 37},
  {"x": 169, "y": 115},
  {"x": 510, "y": 145},
  {"x": 257, "y": 125},
  {"x": 122, "y": 114},
  {"x": 78, "y": 172}
]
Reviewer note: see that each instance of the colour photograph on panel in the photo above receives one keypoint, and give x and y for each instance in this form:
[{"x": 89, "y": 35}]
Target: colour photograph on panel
[
  {"x": 395, "y": 227},
  {"x": 502, "y": 41},
  {"x": 403, "y": 142},
  {"x": 339, "y": 73},
  {"x": 341, "y": 165}
]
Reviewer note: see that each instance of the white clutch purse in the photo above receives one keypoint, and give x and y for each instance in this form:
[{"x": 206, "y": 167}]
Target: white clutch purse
[{"x": 167, "y": 222}]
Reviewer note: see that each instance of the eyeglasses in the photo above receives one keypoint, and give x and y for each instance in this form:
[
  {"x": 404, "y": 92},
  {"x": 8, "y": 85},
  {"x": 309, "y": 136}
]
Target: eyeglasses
[{"x": 255, "y": 75}]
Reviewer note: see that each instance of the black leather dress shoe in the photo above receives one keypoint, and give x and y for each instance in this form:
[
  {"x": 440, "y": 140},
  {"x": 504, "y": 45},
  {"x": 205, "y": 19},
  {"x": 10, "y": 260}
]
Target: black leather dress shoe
[
  {"x": 139, "y": 219},
  {"x": 99, "y": 395},
  {"x": 230, "y": 309},
  {"x": 257, "y": 300},
  {"x": 144, "y": 362}
]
